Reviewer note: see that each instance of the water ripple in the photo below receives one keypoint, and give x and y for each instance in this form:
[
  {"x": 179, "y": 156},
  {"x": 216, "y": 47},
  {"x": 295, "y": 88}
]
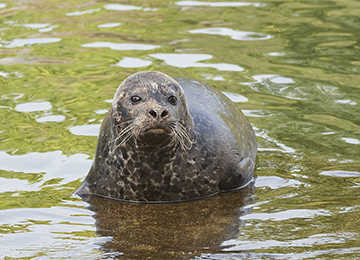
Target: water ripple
[
  {"x": 36, "y": 25},
  {"x": 216, "y": 4},
  {"x": 52, "y": 118},
  {"x": 120, "y": 7},
  {"x": 287, "y": 214},
  {"x": 54, "y": 164},
  {"x": 340, "y": 173},
  {"x": 192, "y": 60},
  {"x": 129, "y": 62},
  {"x": 235, "y": 35},
  {"x": 121, "y": 46},
  {"x": 351, "y": 140},
  {"x": 30, "y": 41},
  {"x": 317, "y": 239},
  {"x": 275, "y": 182},
  {"x": 109, "y": 25},
  {"x": 85, "y": 130},
  {"x": 33, "y": 106},
  {"x": 235, "y": 97},
  {"x": 48, "y": 228},
  {"x": 90, "y": 11}
]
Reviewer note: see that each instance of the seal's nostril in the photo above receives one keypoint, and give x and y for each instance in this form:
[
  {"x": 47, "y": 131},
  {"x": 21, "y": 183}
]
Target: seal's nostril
[
  {"x": 153, "y": 113},
  {"x": 164, "y": 113}
]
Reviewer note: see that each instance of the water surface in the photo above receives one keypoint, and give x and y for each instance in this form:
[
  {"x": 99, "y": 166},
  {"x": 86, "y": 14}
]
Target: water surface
[{"x": 292, "y": 67}]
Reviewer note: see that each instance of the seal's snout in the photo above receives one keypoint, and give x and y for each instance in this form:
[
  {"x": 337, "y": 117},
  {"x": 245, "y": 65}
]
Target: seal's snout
[{"x": 156, "y": 114}]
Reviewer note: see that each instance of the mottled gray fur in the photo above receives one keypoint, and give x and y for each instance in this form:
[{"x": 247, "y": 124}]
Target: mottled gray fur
[{"x": 157, "y": 151}]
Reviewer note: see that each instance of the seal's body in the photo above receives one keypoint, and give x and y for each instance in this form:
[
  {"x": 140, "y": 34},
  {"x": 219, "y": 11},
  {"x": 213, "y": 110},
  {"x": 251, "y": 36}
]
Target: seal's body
[{"x": 165, "y": 140}]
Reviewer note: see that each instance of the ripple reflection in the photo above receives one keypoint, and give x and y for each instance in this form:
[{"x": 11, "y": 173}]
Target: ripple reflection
[
  {"x": 192, "y": 60},
  {"x": 216, "y": 4},
  {"x": 235, "y": 35},
  {"x": 121, "y": 46}
]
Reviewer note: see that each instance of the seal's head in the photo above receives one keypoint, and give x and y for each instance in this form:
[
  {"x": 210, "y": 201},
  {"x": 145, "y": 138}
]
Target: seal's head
[{"x": 150, "y": 108}]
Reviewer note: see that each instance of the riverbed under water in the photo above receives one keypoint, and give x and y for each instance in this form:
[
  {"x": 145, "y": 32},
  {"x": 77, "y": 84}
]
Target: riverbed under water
[{"x": 291, "y": 66}]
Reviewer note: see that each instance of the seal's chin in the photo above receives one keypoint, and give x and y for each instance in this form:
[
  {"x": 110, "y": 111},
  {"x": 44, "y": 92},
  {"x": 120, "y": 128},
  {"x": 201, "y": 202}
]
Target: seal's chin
[{"x": 155, "y": 137}]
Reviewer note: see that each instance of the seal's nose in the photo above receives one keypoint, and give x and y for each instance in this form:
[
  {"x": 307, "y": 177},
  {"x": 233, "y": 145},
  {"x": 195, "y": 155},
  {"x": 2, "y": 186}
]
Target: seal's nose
[
  {"x": 154, "y": 114},
  {"x": 164, "y": 113}
]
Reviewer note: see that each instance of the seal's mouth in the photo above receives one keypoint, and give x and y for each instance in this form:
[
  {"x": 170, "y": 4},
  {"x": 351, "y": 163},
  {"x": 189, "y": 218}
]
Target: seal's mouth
[
  {"x": 158, "y": 129},
  {"x": 156, "y": 135},
  {"x": 155, "y": 131}
]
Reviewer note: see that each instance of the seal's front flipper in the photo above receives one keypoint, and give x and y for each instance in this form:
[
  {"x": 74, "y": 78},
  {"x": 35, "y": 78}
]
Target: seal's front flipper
[
  {"x": 83, "y": 190},
  {"x": 240, "y": 175},
  {"x": 247, "y": 167}
]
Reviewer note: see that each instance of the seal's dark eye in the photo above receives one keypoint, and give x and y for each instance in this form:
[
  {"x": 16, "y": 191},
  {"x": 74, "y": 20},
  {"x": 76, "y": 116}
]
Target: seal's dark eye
[
  {"x": 172, "y": 100},
  {"x": 135, "y": 99}
]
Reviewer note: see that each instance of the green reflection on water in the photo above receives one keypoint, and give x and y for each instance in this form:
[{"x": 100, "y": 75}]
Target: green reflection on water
[{"x": 302, "y": 85}]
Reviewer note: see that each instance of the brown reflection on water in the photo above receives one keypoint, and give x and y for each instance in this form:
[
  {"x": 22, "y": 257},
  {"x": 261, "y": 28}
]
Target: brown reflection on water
[{"x": 174, "y": 230}]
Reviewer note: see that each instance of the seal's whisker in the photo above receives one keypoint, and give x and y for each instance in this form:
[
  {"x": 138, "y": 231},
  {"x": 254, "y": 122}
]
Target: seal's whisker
[
  {"x": 125, "y": 135},
  {"x": 127, "y": 138},
  {"x": 183, "y": 132},
  {"x": 127, "y": 129},
  {"x": 125, "y": 122},
  {"x": 123, "y": 132},
  {"x": 137, "y": 132},
  {"x": 182, "y": 136}
]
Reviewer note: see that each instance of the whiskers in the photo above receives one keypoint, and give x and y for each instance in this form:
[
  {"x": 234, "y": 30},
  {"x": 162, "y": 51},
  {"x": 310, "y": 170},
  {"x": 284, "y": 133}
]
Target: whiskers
[
  {"x": 181, "y": 136},
  {"x": 126, "y": 134}
]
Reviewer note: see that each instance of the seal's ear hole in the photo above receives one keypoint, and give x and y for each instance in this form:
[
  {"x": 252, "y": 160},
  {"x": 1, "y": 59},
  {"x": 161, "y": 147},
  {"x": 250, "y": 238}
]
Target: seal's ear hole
[
  {"x": 135, "y": 99},
  {"x": 172, "y": 100}
]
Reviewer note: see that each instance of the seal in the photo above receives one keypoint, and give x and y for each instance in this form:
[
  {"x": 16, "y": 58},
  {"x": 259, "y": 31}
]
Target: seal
[{"x": 166, "y": 140}]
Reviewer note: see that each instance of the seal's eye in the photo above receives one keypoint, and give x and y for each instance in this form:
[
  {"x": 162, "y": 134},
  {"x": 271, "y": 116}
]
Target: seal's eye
[
  {"x": 135, "y": 99},
  {"x": 172, "y": 100}
]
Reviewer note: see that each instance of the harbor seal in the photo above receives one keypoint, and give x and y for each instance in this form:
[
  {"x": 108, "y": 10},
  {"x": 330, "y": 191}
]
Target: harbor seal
[{"x": 167, "y": 140}]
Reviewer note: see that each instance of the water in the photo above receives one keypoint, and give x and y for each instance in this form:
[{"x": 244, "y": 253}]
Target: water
[{"x": 292, "y": 66}]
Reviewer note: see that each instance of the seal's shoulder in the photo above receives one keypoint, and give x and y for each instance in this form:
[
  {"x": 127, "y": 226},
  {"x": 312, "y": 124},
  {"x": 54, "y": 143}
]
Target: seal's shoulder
[{"x": 215, "y": 114}]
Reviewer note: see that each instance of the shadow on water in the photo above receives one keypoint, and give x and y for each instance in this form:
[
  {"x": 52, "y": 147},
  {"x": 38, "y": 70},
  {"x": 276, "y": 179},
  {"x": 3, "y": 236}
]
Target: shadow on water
[{"x": 174, "y": 230}]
